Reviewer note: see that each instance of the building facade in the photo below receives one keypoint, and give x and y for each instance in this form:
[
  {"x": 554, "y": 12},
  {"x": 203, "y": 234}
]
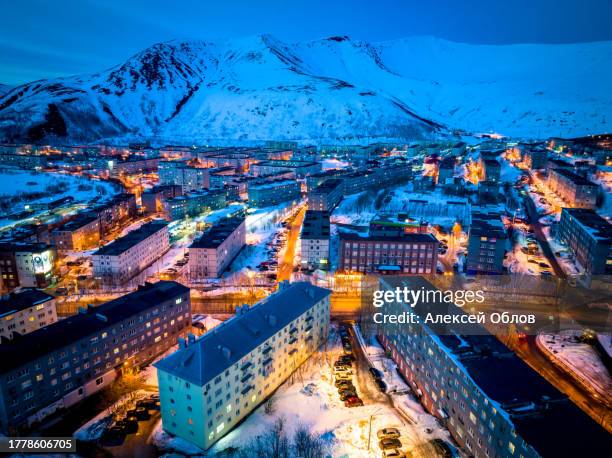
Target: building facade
[
  {"x": 126, "y": 257},
  {"x": 406, "y": 254},
  {"x": 25, "y": 311},
  {"x": 29, "y": 265},
  {"x": 326, "y": 196},
  {"x": 79, "y": 234},
  {"x": 314, "y": 240},
  {"x": 273, "y": 192},
  {"x": 589, "y": 237},
  {"x": 574, "y": 190},
  {"x": 195, "y": 203},
  {"x": 214, "y": 251},
  {"x": 487, "y": 244},
  {"x": 211, "y": 384},
  {"x": 61, "y": 364}
]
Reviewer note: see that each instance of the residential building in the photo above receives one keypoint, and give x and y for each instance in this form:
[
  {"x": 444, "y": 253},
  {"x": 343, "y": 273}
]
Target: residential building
[
  {"x": 195, "y": 203},
  {"x": 487, "y": 244},
  {"x": 446, "y": 170},
  {"x": 180, "y": 173},
  {"x": 61, "y": 364},
  {"x": 79, "y": 234},
  {"x": 314, "y": 247},
  {"x": 274, "y": 167},
  {"x": 133, "y": 165},
  {"x": 535, "y": 158},
  {"x": 272, "y": 192},
  {"x": 574, "y": 190},
  {"x": 116, "y": 212},
  {"x": 153, "y": 199},
  {"x": 211, "y": 384},
  {"x": 492, "y": 402},
  {"x": 490, "y": 169},
  {"x": 214, "y": 251},
  {"x": 326, "y": 196},
  {"x": 24, "y": 312},
  {"x": 29, "y": 265},
  {"x": 127, "y": 256},
  {"x": 406, "y": 254},
  {"x": 589, "y": 237}
]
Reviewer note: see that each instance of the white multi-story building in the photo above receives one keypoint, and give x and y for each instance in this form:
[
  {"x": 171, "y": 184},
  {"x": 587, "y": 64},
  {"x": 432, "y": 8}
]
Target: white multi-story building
[
  {"x": 210, "y": 255},
  {"x": 188, "y": 177},
  {"x": 314, "y": 240},
  {"x": 211, "y": 384},
  {"x": 26, "y": 311},
  {"x": 126, "y": 257}
]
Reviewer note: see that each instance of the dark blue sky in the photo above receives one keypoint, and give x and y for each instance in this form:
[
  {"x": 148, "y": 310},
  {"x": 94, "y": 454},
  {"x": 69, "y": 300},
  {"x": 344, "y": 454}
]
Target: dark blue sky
[{"x": 44, "y": 38}]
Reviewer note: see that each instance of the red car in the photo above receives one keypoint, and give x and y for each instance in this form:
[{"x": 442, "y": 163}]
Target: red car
[{"x": 353, "y": 401}]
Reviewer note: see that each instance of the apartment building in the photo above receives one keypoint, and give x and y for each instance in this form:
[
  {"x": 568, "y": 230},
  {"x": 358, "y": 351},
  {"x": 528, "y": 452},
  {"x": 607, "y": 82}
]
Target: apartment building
[
  {"x": 61, "y": 364},
  {"x": 24, "y": 312},
  {"x": 116, "y": 212},
  {"x": 134, "y": 165},
  {"x": 273, "y": 192},
  {"x": 274, "y": 167},
  {"x": 490, "y": 169},
  {"x": 314, "y": 240},
  {"x": 575, "y": 190},
  {"x": 127, "y": 256},
  {"x": 406, "y": 254},
  {"x": 195, "y": 203},
  {"x": 589, "y": 238},
  {"x": 487, "y": 244},
  {"x": 446, "y": 170},
  {"x": 491, "y": 401},
  {"x": 535, "y": 158},
  {"x": 79, "y": 234},
  {"x": 214, "y": 251},
  {"x": 180, "y": 173},
  {"x": 326, "y": 196},
  {"x": 153, "y": 199},
  {"x": 211, "y": 384},
  {"x": 29, "y": 265}
]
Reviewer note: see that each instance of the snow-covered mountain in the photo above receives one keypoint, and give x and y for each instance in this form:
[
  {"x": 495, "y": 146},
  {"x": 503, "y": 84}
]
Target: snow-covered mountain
[{"x": 335, "y": 89}]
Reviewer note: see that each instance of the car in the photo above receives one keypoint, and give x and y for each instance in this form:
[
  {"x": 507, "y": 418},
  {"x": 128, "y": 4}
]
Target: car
[
  {"x": 343, "y": 379},
  {"x": 544, "y": 265},
  {"x": 129, "y": 425},
  {"x": 347, "y": 394},
  {"x": 353, "y": 401},
  {"x": 345, "y": 386},
  {"x": 393, "y": 453},
  {"x": 381, "y": 385},
  {"x": 349, "y": 358},
  {"x": 61, "y": 291},
  {"x": 388, "y": 433},
  {"x": 342, "y": 367},
  {"x": 142, "y": 413},
  {"x": 444, "y": 448},
  {"x": 389, "y": 443},
  {"x": 338, "y": 371},
  {"x": 375, "y": 372}
]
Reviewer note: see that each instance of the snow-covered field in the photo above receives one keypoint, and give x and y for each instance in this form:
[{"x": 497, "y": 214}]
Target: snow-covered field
[{"x": 581, "y": 360}]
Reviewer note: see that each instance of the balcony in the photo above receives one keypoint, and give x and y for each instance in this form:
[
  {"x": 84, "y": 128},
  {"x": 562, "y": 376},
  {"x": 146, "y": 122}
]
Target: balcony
[
  {"x": 292, "y": 352},
  {"x": 293, "y": 330},
  {"x": 246, "y": 378},
  {"x": 246, "y": 390},
  {"x": 293, "y": 340},
  {"x": 246, "y": 366},
  {"x": 267, "y": 350}
]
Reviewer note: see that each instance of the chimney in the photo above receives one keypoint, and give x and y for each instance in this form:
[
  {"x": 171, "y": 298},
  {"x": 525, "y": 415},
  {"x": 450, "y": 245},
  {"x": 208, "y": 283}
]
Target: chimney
[
  {"x": 101, "y": 317},
  {"x": 226, "y": 352},
  {"x": 272, "y": 320},
  {"x": 182, "y": 342},
  {"x": 191, "y": 338},
  {"x": 82, "y": 310}
]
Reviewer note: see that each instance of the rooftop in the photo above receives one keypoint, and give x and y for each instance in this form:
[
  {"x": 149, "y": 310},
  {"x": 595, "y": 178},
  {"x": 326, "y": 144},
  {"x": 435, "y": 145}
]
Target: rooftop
[
  {"x": 131, "y": 239},
  {"x": 575, "y": 178},
  {"x": 216, "y": 235},
  {"x": 405, "y": 238},
  {"x": 15, "y": 302},
  {"x": 69, "y": 331},
  {"x": 228, "y": 343},
  {"x": 592, "y": 222}
]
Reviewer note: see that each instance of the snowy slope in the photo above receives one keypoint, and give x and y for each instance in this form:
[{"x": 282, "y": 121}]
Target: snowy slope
[{"x": 259, "y": 88}]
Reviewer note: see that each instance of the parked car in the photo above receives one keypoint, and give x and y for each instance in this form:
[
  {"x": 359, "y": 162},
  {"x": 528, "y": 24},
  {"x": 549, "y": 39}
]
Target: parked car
[
  {"x": 142, "y": 413},
  {"x": 444, "y": 448},
  {"x": 353, "y": 401},
  {"x": 343, "y": 379},
  {"x": 345, "y": 385},
  {"x": 393, "y": 453},
  {"x": 113, "y": 436},
  {"x": 388, "y": 433},
  {"x": 347, "y": 395},
  {"x": 389, "y": 443},
  {"x": 381, "y": 385},
  {"x": 129, "y": 425},
  {"x": 375, "y": 373}
]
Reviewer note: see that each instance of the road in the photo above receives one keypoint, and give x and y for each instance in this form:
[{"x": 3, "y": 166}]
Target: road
[
  {"x": 285, "y": 264},
  {"x": 541, "y": 238}
]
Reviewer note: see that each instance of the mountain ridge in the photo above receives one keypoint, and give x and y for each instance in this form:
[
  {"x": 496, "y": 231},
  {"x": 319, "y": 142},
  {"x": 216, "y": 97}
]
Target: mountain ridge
[{"x": 334, "y": 89}]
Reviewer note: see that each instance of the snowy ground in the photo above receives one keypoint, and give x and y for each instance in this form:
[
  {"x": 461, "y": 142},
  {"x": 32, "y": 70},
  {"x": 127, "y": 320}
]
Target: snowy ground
[
  {"x": 581, "y": 360},
  {"x": 309, "y": 398}
]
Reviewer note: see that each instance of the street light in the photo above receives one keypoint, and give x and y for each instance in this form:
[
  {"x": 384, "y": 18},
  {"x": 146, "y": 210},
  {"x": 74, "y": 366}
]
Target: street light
[{"x": 372, "y": 415}]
